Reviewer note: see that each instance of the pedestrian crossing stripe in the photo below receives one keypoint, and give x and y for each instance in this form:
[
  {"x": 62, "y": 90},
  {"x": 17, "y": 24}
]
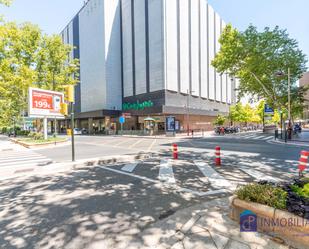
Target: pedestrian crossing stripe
[
  {"x": 172, "y": 187},
  {"x": 129, "y": 167},
  {"x": 216, "y": 180},
  {"x": 166, "y": 173}
]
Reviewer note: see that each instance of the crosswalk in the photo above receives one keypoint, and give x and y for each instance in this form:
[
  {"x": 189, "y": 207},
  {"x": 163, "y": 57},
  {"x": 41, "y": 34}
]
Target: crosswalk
[
  {"x": 251, "y": 136},
  {"x": 15, "y": 156},
  {"x": 197, "y": 177}
]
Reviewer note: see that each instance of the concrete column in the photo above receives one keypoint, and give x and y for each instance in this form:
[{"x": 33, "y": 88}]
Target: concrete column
[
  {"x": 90, "y": 127},
  {"x": 107, "y": 123},
  {"x": 45, "y": 128}
]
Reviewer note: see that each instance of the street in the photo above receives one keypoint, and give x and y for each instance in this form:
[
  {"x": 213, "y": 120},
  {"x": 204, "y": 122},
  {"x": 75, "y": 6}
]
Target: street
[{"x": 105, "y": 206}]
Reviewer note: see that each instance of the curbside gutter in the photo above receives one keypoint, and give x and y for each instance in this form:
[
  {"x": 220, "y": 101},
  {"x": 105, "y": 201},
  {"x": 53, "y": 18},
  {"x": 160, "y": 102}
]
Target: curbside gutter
[{"x": 292, "y": 229}]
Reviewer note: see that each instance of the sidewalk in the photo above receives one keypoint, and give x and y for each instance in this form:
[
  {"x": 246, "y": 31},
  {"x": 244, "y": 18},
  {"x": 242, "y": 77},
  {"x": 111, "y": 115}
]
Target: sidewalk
[
  {"x": 301, "y": 139},
  {"x": 204, "y": 226}
]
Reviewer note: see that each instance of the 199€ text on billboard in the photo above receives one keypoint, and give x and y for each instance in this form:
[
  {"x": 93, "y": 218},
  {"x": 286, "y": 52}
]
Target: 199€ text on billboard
[{"x": 43, "y": 103}]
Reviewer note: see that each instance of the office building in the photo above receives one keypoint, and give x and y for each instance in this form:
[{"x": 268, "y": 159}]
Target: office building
[{"x": 149, "y": 59}]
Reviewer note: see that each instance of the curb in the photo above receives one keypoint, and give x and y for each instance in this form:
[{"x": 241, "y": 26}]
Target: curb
[
  {"x": 10, "y": 172},
  {"x": 288, "y": 143},
  {"x": 32, "y": 146}
]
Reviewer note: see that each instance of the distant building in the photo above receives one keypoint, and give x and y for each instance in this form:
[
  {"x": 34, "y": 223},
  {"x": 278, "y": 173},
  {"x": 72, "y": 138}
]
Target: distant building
[
  {"x": 150, "y": 59},
  {"x": 304, "y": 81}
]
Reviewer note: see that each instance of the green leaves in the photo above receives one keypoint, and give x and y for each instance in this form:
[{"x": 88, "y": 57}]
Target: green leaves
[
  {"x": 244, "y": 114},
  {"x": 6, "y": 2},
  {"x": 255, "y": 58},
  {"x": 264, "y": 194},
  {"x": 220, "y": 120},
  {"x": 30, "y": 59}
]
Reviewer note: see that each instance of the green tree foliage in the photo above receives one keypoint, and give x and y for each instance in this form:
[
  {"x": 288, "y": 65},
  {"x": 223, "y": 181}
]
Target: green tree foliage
[
  {"x": 256, "y": 58},
  {"x": 244, "y": 114},
  {"x": 30, "y": 59},
  {"x": 220, "y": 120},
  {"x": 6, "y": 2}
]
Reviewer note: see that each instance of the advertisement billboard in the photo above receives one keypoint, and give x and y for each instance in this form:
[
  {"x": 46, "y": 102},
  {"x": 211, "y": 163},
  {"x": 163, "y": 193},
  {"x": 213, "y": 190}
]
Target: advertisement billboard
[
  {"x": 44, "y": 103},
  {"x": 170, "y": 124}
]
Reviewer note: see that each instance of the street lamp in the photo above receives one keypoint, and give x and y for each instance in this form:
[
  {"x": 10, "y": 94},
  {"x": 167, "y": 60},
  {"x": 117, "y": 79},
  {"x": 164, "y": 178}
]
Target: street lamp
[{"x": 289, "y": 100}]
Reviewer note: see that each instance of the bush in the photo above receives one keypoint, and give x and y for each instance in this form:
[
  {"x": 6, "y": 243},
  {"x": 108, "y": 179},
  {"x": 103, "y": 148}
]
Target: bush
[
  {"x": 36, "y": 135},
  {"x": 264, "y": 194},
  {"x": 4, "y": 130},
  {"x": 22, "y": 133},
  {"x": 301, "y": 191}
]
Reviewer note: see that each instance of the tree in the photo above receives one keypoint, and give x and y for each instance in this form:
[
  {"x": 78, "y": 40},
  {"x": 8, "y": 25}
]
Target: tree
[
  {"x": 6, "y": 2},
  {"x": 244, "y": 114},
  {"x": 220, "y": 120},
  {"x": 256, "y": 57},
  {"x": 26, "y": 59}
]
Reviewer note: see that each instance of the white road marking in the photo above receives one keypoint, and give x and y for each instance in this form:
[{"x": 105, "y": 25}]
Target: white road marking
[
  {"x": 214, "y": 178},
  {"x": 166, "y": 173},
  {"x": 152, "y": 144},
  {"x": 259, "y": 137},
  {"x": 129, "y": 167},
  {"x": 248, "y": 136},
  {"x": 258, "y": 175},
  {"x": 136, "y": 143},
  {"x": 173, "y": 187}
]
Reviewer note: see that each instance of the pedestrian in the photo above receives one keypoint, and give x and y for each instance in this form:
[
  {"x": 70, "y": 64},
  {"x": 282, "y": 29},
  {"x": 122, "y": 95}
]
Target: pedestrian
[{"x": 222, "y": 130}]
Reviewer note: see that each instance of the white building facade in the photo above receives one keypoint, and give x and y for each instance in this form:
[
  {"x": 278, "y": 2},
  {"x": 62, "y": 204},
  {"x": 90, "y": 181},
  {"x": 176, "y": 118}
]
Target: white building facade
[{"x": 148, "y": 58}]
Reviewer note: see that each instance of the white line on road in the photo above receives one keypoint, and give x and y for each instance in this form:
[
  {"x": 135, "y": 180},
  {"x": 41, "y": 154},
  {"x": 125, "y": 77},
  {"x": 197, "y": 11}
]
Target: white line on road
[
  {"x": 152, "y": 144},
  {"x": 166, "y": 173},
  {"x": 170, "y": 186},
  {"x": 258, "y": 175},
  {"x": 259, "y": 137},
  {"x": 136, "y": 143},
  {"x": 129, "y": 167},
  {"x": 214, "y": 178}
]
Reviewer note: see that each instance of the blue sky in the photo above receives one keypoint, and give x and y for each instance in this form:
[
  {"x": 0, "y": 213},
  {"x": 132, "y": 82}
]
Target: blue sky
[{"x": 53, "y": 15}]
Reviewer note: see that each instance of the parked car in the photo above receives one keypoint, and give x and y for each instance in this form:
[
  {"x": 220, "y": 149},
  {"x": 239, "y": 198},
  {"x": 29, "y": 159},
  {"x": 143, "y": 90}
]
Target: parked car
[{"x": 77, "y": 131}]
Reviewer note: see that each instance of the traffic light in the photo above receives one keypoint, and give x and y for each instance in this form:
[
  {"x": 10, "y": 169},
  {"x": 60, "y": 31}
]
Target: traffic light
[
  {"x": 69, "y": 93},
  {"x": 64, "y": 109}
]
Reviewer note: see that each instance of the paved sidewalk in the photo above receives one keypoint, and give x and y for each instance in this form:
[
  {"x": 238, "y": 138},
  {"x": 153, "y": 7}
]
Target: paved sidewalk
[{"x": 204, "y": 226}]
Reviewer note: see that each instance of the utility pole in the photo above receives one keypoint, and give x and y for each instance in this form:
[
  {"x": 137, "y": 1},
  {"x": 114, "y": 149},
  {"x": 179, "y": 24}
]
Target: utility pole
[
  {"x": 72, "y": 131},
  {"x": 289, "y": 94}
]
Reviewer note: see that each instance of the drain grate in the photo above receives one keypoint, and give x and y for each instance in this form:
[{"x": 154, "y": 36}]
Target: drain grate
[{"x": 166, "y": 214}]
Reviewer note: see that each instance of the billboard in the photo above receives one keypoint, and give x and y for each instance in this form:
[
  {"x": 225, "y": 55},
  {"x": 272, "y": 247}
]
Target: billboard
[
  {"x": 170, "y": 124},
  {"x": 43, "y": 103}
]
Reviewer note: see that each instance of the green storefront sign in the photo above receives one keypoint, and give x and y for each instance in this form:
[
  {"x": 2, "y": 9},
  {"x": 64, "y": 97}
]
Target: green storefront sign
[{"x": 137, "y": 105}]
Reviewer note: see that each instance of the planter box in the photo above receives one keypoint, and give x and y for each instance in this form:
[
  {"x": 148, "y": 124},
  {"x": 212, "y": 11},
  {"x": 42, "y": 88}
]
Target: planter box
[
  {"x": 33, "y": 145},
  {"x": 294, "y": 230}
]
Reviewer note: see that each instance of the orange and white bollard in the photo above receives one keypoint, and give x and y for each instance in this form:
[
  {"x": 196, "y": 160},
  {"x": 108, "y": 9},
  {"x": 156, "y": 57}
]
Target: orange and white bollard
[
  {"x": 175, "y": 151},
  {"x": 218, "y": 156},
  {"x": 303, "y": 161}
]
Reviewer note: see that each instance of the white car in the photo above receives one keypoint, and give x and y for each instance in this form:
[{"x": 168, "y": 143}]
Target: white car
[{"x": 77, "y": 131}]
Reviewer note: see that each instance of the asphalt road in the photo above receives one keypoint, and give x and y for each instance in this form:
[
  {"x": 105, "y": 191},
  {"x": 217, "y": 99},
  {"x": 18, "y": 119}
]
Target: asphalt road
[{"x": 109, "y": 206}]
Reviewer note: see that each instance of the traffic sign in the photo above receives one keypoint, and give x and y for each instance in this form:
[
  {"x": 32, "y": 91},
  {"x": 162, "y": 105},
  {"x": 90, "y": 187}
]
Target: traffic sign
[
  {"x": 122, "y": 120},
  {"x": 268, "y": 109}
]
